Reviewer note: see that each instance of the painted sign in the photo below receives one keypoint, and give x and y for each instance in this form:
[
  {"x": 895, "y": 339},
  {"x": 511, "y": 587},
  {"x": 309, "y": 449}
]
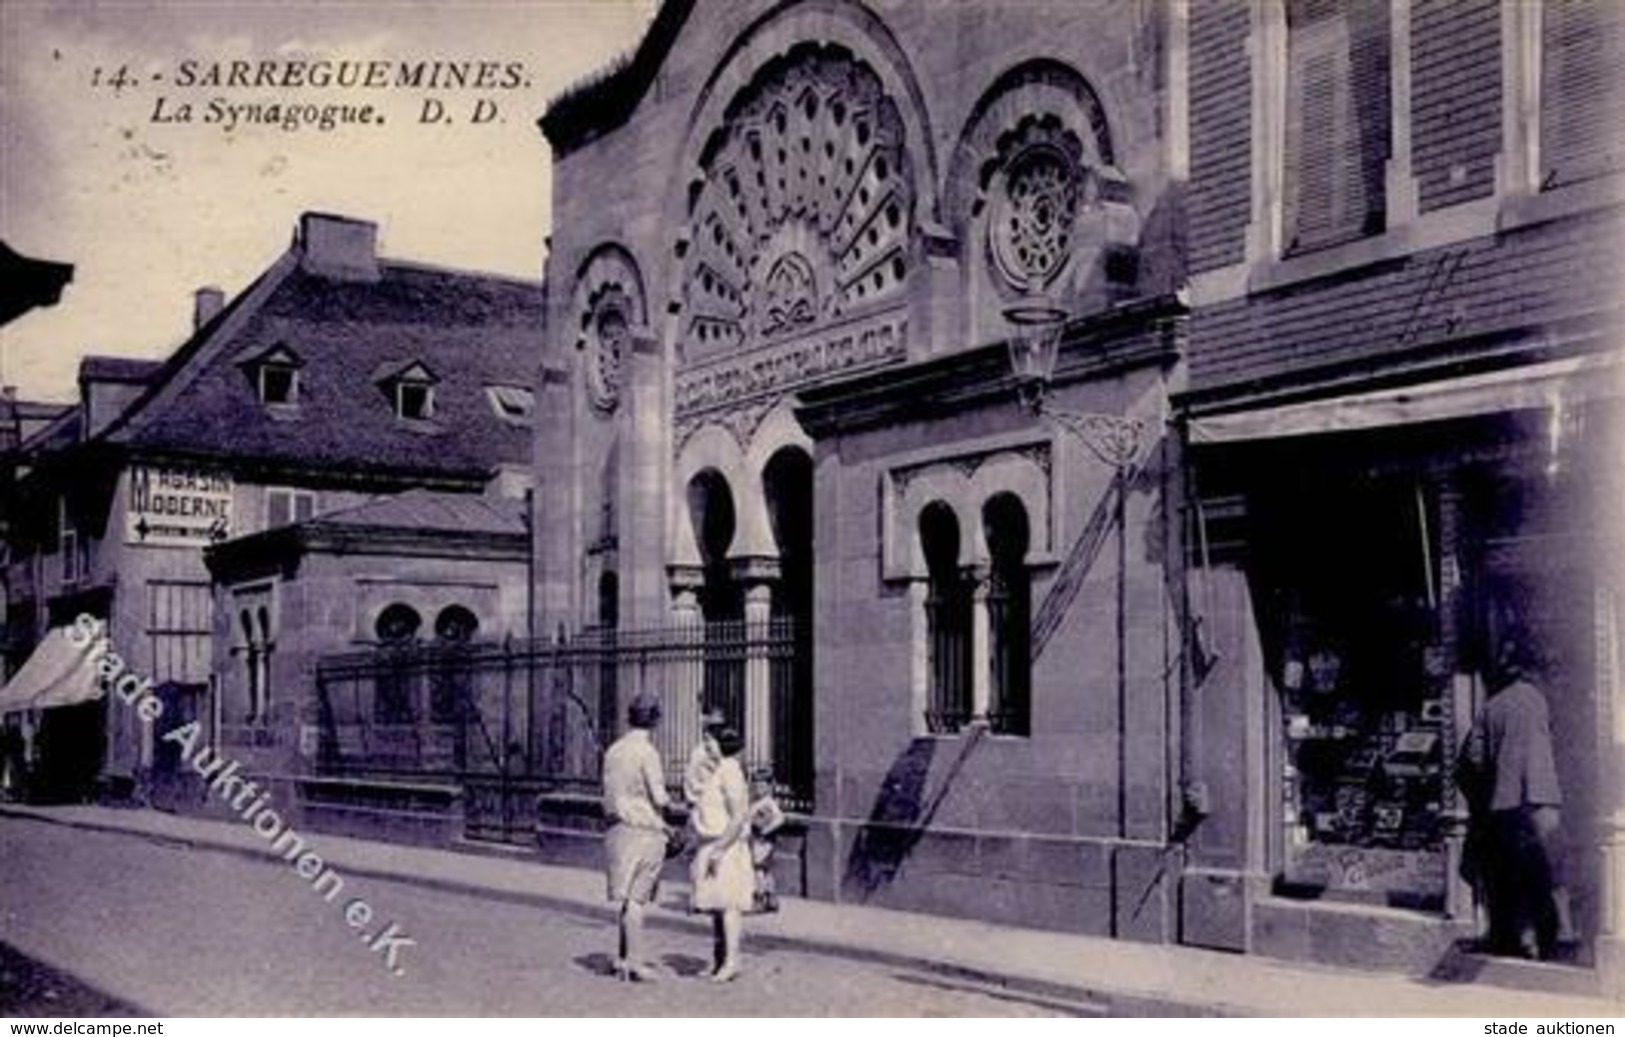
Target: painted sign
[{"x": 177, "y": 507}]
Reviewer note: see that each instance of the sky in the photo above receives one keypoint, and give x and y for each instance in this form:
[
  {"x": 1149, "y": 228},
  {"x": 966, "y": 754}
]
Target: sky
[{"x": 106, "y": 173}]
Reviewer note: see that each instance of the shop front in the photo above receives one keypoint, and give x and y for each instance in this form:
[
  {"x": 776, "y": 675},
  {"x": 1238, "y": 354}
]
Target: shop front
[{"x": 1384, "y": 551}]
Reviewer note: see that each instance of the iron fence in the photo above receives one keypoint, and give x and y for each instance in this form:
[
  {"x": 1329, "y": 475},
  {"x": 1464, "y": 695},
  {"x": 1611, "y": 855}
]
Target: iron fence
[{"x": 517, "y": 719}]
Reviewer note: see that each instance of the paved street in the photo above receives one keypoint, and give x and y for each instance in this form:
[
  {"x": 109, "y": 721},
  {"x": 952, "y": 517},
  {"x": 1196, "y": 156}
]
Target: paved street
[{"x": 178, "y": 931}]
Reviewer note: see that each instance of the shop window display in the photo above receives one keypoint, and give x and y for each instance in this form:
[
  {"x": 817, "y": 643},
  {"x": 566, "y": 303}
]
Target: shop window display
[{"x": 1356, "y": 649}]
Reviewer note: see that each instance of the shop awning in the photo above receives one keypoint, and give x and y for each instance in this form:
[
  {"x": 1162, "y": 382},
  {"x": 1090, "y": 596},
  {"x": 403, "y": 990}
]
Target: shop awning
[
  {"x": 1557, "y": 383},
  {"x": 57, "y": 674}
]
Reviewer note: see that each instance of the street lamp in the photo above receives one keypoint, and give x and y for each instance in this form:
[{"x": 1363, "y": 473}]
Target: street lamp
[{"x": 1038, "y": 319}]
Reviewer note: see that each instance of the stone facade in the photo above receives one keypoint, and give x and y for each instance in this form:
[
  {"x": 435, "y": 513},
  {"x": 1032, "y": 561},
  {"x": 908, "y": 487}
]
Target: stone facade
[
  {"x": 784, "y": 241},
  {"x": 804, "y": 233}
]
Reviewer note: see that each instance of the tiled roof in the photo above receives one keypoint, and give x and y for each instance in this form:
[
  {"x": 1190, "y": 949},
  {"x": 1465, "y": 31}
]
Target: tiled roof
[
  {"x": 472, "y": 330},
  {"x": 427, "y": 510}
]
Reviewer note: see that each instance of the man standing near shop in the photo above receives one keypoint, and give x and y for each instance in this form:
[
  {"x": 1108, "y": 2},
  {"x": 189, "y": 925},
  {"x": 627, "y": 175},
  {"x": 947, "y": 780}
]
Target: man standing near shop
[{"x": 1508, "y": 773}]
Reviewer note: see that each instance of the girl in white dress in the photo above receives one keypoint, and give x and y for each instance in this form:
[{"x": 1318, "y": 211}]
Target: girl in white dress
[{"x": 724, "y": 878}]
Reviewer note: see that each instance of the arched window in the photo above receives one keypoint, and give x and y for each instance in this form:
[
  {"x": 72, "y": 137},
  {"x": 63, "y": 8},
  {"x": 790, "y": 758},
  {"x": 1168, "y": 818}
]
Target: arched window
[
  {"x": 397, "y": 628},
  {"x": 609, "y": 619},
  {"x": 262, "y": 663},
  {"x": 948, "y": 622},
  {"x": 609, "y": 479},
  {"x": 397, "y": 625},
  {"x": 456, "y": 625},
  {"x": 711, "y": 505},
  {"x": 722, "y": 602},
  {"x": 451, "y": 689},
  {"x": 1009, "y": 613},
  {"x": 251, "y": 663}
]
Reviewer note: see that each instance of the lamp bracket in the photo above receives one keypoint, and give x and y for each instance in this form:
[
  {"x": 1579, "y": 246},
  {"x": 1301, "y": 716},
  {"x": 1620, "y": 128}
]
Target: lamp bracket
[{"x": 1111, "y": 437}]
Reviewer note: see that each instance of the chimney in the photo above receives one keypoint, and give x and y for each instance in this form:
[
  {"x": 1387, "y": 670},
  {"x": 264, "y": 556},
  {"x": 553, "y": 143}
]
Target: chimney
[
  {"x": 108, "y": 385},
  {"x": 207, "y": 302},
  {"x": 339, "y": 248}
]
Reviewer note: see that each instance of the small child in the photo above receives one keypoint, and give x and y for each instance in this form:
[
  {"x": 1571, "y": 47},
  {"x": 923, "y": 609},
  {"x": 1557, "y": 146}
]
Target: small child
[{"x": 766, "y": 818}]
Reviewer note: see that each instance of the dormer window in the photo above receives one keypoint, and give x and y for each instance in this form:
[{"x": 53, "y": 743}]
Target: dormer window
[
  {"x": 511, "y": 403},
  {"x": 414, "y": 401},
  {"x": 279, "y": 385},
  {"x": 274, "y": 373},
  {"x": 411, "y": 391}
]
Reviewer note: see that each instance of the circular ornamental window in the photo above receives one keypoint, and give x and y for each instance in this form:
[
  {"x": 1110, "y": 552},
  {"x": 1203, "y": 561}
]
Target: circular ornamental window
[{"x": 1030, "y": 232}]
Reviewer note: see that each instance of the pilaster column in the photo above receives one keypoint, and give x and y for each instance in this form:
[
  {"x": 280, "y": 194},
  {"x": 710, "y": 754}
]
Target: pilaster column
[
  {"x": 758, "y": 576},
  {"x": 642, "y": 536},
  {"x": 682, "y": 699},
  {"x": 981, "y": 657},
  {"x": 552, "y": 543}
]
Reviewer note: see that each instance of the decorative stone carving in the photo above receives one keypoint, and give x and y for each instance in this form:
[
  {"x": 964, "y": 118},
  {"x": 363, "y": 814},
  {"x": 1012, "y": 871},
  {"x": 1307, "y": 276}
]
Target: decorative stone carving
[
  {"x": 740, "y": 421},
  {"x": 1039, "y": 190},
  {"x": 965, "y": 482},
  {"x": 607, "y": 336},
  {"x": 967, "y": 465},
  {"x": 804, "y": 210},
  {"x": 606, "y": 310},
  {"x": 728, "y": 380},
  {"x": 791, "y": 298},
  {"x": 1035, "y": 191}
]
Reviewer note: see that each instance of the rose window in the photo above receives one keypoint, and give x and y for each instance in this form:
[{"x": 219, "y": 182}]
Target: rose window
[
  {"x": 804, "y": 211},
  {"x": 608, "y": 347},
  {"x": 1031, "y": 229}
]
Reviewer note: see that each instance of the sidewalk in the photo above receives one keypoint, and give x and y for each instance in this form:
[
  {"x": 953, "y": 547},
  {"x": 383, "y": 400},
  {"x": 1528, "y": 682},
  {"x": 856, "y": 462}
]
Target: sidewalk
[{"x": 1081, "y": 966}]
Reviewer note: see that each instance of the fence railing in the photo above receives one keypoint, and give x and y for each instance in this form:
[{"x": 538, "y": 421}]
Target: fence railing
[{"x": 541, "y": 714}]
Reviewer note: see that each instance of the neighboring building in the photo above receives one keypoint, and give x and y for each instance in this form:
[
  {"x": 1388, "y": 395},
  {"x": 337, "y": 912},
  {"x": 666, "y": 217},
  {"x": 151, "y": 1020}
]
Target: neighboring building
[
  {"x": 335, "y": 379},
  {"x": 20, "y": 420},
  {"x": 1405, "y": 235},
  {"x": 784, "y": 236},
  {"x": 408, "y": 584}
]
